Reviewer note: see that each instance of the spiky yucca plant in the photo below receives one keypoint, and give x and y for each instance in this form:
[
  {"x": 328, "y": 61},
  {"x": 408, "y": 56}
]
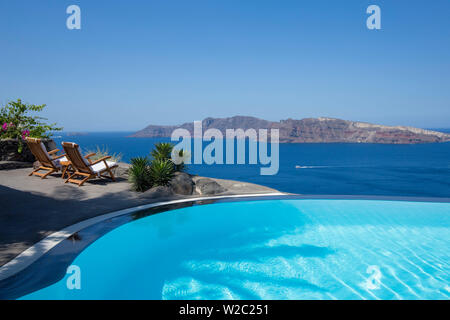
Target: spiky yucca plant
[
  {"x": 139, "y": 174},
  {"x": 161, "y": 172},
  {"x": 162, "y": 151},
  {"x": 144, "y": 174}
]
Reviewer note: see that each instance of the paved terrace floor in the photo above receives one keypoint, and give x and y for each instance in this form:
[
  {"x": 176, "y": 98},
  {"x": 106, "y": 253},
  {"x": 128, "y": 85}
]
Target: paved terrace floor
[{"x": 32, "y": 208}]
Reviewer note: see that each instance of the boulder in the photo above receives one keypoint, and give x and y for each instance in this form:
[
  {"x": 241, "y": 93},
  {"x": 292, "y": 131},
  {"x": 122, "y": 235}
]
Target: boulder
[
  {"x": 208, "y": 186},
  {"x": 122, "y": 170},
  {"x": 159, "y": 192},
  {"x": 36, "y": 164},
  {"x": 182, "y": 183}
]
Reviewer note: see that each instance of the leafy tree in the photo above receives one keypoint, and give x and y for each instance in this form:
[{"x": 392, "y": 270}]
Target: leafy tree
[{"x": 17, "y": 122}]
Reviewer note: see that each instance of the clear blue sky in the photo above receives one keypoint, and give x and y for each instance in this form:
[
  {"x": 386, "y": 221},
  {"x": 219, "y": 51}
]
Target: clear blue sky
[{"x": 135, "y": 63}]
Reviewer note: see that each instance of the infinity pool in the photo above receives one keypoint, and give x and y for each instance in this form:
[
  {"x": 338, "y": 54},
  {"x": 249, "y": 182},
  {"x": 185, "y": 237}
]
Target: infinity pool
[{"x": 271, "y": 249}]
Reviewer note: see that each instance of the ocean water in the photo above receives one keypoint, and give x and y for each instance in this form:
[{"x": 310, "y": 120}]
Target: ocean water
[
  {"x": 270, "y": 249},
  {"x": 337, "y": 168}
]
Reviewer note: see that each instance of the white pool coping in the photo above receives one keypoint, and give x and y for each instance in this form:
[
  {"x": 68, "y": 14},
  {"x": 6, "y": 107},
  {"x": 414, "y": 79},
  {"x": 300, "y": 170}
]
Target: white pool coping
[{"x": 33, "y": 253}]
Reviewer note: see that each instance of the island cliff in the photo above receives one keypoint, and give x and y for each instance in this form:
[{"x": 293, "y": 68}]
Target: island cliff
[{"x": 311, "y": 130}]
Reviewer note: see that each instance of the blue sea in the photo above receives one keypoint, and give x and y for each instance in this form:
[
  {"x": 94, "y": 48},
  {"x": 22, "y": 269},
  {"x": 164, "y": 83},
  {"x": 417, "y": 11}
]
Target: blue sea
[{"x": 336, "y": 169}]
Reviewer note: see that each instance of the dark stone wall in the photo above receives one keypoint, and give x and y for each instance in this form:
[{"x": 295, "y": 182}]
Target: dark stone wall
[{"x": 9, "y": 147}]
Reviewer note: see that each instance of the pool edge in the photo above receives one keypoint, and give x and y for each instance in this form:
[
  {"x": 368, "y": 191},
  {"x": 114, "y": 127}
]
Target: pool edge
[{"x": 37, "y": 250}]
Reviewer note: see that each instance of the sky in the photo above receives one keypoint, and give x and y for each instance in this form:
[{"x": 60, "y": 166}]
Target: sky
[{"x": 135, "y": 63}]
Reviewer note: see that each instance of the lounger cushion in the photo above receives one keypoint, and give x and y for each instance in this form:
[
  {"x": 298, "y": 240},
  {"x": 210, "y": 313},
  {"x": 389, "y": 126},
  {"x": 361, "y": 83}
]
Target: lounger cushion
[
  {"x": 57, "y": 161},
  {"x": 99, "y": 167},
  {"x": 45, "y": 150},
  {"x": 86, "y": 161}
]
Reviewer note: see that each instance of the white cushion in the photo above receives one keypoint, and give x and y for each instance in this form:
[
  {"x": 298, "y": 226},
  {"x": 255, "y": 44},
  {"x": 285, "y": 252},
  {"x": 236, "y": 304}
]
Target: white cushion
[
  {"x": 45, "y": 149},
  {"x": 86, "y": 161},
  {"x": 57, "y": 161},
  {"x": 99, "y": 167}
]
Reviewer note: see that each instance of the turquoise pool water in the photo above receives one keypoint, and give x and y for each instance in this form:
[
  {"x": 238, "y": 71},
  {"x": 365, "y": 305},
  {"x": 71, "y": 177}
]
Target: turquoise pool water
[{"x": 271, "y": 249}]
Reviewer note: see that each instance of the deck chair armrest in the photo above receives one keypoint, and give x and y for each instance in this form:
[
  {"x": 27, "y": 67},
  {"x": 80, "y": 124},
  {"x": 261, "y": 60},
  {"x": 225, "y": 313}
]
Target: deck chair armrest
[
  {"x": 58, "y": 157},
  {"x": 90, "y": 155},
  {"x": 101, "y": 159},
  {"x": 53, "y": 151}
]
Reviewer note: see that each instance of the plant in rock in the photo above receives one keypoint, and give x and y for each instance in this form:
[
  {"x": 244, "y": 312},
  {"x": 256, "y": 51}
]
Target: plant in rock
[
  {"x": 161, "y": 172},
  {"x": 144, "y": 174},
  {"x": 17, "y": 122},
  {"x": 139, "y": 174},
  {"x": 163, "y": 151}
]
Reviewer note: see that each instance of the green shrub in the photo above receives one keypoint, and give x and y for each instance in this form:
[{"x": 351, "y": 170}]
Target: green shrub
[
  {"x": 139, "y": 174},
  {"x": 17, "y": 123},
  {"x": 163, "y": 151},
  {"x": 161, "y": 172},
  {"x": 144, "y": 174}
]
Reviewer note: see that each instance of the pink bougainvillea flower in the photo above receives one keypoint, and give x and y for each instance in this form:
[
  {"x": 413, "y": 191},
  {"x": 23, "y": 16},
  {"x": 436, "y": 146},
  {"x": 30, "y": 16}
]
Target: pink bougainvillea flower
[
  {"x": 25, "y": 133},
  {"x": 5, "y": 126}
]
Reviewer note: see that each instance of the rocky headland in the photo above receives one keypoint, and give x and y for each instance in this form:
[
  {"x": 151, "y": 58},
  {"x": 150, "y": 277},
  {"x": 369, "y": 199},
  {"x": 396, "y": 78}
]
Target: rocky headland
[{"x": 311, "y": 130}]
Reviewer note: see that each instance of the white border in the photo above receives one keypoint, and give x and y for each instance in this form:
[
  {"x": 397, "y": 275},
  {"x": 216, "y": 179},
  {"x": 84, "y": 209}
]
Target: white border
[{"x": 33, "y": 253}]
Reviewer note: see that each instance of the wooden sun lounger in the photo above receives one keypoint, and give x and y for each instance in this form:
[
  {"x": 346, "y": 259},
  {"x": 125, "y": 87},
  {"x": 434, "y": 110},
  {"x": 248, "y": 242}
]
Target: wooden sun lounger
[
  {"x": 84, "y": 167},
  {"x": 48, "y": 159}
]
